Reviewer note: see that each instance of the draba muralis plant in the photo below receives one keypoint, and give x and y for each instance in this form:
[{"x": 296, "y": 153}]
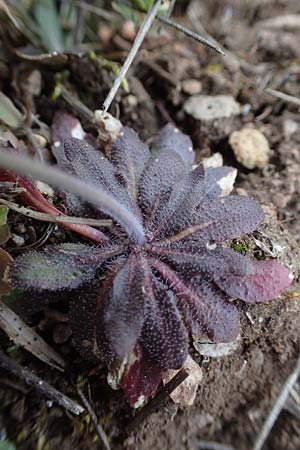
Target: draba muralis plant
[{"x": 136, "y": 297}]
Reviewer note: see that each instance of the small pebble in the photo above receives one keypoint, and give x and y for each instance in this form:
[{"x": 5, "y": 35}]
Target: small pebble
[
  {"x": 18, "y": 240},
  {"x": 250, "y": 148},
  {"x": 191, "y": 86},
  {"x": 290, "y": 127}
]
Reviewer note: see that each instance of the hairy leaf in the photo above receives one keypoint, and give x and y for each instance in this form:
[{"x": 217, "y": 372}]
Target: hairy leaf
[
  {"x": 173, "y": 140},
  {"x": 164, "y": 336},
  {"x": 184, "y": 200},
  {"x": 129, "y": 155},
  {"x": 162, "y": 171},
  {"x": 124, "y": 314},
  {"x": 222, "y": 219},
  {"x": 64, "y": 266}
]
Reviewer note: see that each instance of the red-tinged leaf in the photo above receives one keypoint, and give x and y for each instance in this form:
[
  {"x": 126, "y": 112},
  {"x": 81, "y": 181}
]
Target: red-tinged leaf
[
  {"x": 129, "y": 155},
  {"x": 141, "y": 379},
  {"x": 164, "y": 336},
  {"x": 219, "y": 181},
  {"x": 238, "y": 276},
  {"x": 222, "y": 219},
  {"x": 57, "y": 267},
  {"x": 173, "y": 140},
  {"x": 252, "y": 281},
  {"x": 32, "y": 197},
  {"x": 125, "y": 311}
]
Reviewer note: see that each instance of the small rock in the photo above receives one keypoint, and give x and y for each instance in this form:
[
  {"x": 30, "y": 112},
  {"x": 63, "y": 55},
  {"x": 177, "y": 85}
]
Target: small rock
[
  {"x": 214, "y": 161},
  {"x": 185, "y": 393},
  {"x": 18, "y": 240},
  {"x": 281, "y": 200},
  {"x": 32, "y": 84},
  {"x": 191, "y": 86},
  {"x": 290, "y": 127},
  {"x": 206, "y": 107},
  {"x": 250, "y": 148}
]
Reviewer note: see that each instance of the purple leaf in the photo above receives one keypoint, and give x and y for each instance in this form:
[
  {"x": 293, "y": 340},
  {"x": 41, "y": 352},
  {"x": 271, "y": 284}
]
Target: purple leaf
[
  {"x": 129, "y": 155},
  {"x": 211, "y": 313},
  {"x": 164, "y": 336},
  {"x": 89, "y": 164},
  {"x": 173, "y": 140},
  {"x": 205, "y": 308},
  {"x": 222, "y": 219},
  {"x": 161, "y": 172},
  {"x": 124, "y": 314},
  {"x": 87, "y": 310},
  {"x": 185, "y": 198}
]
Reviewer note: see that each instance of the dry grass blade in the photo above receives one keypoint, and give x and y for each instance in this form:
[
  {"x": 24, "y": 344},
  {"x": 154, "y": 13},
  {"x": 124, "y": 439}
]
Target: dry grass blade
[
  {"x": 27, "y": 338},
  {"x": 277, "y": 408},
  {"x": 56, "y": 219},
  {"x": 40, "y": 385},
  {"x": 191, "y": 34},
  {"x": 101, "y": 433},
  {"x": 285, "y": 97},
  {"x": 150, "y": 16}
]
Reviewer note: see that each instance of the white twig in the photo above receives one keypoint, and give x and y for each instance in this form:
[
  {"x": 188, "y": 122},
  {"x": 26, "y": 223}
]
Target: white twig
[
  {"x": 150, "y": 16},
  {"x": 277, "y": 408}
]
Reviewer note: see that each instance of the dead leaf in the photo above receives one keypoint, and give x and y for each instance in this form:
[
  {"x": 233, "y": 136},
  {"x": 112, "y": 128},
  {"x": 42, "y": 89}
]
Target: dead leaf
[{"x": 23, "y": 335}]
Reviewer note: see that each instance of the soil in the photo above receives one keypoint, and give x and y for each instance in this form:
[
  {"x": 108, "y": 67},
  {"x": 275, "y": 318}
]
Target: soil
[{"x": 237, "y": 391}]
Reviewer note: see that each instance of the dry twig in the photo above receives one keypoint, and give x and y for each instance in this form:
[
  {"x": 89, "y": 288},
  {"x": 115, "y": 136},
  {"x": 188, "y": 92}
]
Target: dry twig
[
  {"x": 40, "y": 385},
  {"x": 158, "y": 400},
  {"x": 277, "y": 408},
  {"x": 191, "y": 34}
]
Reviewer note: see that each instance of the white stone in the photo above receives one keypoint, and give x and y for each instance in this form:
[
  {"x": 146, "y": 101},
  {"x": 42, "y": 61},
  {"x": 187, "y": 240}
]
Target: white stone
[
  {"x": 207, "y": 107},
  {"x": 250, "y": 148}
]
